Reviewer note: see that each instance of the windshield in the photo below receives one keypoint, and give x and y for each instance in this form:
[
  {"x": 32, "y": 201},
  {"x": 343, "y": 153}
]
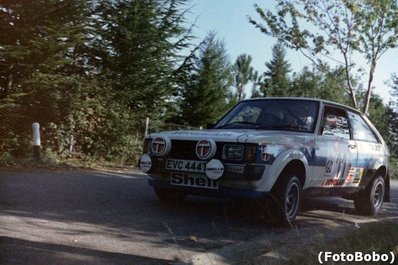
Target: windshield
[{"x": 272, "y": 114}]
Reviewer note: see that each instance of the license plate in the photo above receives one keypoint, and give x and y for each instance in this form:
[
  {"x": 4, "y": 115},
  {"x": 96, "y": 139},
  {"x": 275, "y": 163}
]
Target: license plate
[
  {"x": 186, "y": 165},
  {"x": 193, "y": 180}
]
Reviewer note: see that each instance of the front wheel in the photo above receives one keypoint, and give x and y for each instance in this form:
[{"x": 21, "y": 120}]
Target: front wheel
[
  {"x": 370, "y": 200},
  {"x": 286, "y": 199}
]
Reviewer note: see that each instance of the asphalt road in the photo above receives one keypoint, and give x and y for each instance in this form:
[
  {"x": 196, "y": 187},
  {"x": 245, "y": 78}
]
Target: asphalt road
[{"x": 93, "y": 217}]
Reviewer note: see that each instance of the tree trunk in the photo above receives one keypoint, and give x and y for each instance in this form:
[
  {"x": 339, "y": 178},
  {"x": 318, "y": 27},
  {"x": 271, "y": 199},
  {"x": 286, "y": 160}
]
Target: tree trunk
[
  {"x": 351, "y": 89},
  {"x": 369, "y": 90},
  {"x": 349, "y": 84}
]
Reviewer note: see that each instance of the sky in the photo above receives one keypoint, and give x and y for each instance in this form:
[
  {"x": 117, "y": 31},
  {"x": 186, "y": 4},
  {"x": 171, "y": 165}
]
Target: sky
[{"x": 228, "y": 18}]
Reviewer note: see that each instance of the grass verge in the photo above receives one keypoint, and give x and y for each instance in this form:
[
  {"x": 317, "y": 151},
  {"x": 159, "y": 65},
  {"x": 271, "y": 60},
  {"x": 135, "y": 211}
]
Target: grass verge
[{"x": 378, "y": 237}]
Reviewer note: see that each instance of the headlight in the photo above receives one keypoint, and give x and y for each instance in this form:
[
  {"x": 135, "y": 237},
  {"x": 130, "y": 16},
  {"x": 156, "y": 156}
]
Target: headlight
[{"x": 233, "y": 152}]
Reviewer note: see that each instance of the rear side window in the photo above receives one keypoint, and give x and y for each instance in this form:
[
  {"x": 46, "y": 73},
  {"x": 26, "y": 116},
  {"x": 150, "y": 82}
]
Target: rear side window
[
  {"x": 360, "y": 129},
  {"x": 334, "y": 123}
]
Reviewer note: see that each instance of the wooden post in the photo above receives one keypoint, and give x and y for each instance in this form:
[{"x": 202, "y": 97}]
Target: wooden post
[{"x": 36, "y": 140}]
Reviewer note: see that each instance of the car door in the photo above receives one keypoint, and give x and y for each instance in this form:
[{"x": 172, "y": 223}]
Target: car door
[
  {"x": 370, "y": 148},
  {"x": 336, "y": 152}
]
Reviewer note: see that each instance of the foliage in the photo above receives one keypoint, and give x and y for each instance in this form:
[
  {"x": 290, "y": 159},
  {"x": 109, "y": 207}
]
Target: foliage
[
  {"x": 277, "y": 81},
  {"x": 138, "y": 47},
  {"x": 243, "y": 73},
  {"x": 89, "y": 72},
  {"x": 365, "y": 28},
  {"x": 393, "y": 117},
  {"x": 207, "y": 95},
  {"x": 41, "y": 63},
  {"x": 326, "y": 84},
  {"x": 257, "y": 84},
  {"x": 394, "y": 167},
  {"x": 378, "y": 115}
]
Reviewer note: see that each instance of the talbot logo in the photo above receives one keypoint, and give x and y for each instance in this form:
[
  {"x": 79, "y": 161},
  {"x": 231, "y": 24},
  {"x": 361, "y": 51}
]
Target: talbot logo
[
  {"x": 158, "y": 146},
  {"x": 205, "y": 149}
]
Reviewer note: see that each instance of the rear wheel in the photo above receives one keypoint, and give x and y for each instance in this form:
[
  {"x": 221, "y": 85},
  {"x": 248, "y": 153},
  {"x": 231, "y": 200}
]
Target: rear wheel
[
  {"x": 169, "y": 195},
  {"x": 370, "y": 200},
  {"x": 286, "y": 198}
]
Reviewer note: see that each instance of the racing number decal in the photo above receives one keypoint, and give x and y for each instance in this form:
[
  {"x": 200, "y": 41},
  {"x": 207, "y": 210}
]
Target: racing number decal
[
  {"x": 329, "y": 167},
  {"x": 335, "y": 171},
  {"x": 334, "y": 167}
]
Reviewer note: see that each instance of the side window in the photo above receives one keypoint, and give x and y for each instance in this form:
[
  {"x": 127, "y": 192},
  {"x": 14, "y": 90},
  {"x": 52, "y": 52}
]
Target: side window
[
  {"x": 360, "y": 129},
  {"x": 335, "y": 123}
]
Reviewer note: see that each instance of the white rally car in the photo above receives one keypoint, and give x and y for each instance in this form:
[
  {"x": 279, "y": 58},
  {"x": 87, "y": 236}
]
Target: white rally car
[{"x": 277, "y": 149}]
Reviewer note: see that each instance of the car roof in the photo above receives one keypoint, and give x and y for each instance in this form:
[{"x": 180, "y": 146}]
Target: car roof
[{"x": 324, "y": 101}]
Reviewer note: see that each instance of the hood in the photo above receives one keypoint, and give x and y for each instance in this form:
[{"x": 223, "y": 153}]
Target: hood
[{"x": 236, "y": 136}]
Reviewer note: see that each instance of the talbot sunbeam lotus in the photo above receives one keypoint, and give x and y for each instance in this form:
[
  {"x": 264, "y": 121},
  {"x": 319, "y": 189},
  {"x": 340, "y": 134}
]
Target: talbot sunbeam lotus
[{"x": 274, "y": 150}]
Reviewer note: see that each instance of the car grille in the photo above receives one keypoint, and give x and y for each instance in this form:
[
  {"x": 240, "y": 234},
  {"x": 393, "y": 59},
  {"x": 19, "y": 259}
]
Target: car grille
[{"x": 186, "y": 150}]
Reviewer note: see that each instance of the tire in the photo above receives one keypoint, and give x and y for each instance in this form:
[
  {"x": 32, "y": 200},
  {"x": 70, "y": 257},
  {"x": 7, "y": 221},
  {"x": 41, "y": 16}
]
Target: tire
[
  {"x": 286, "y": 199},
  {"x": 170, "y": 196},
  {"x": 370, "y": 200}
]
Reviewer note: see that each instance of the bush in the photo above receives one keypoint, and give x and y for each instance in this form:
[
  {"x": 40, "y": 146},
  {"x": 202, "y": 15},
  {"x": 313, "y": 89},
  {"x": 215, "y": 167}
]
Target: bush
[
  {"x": 6, "y": 157},
  {"x": 394, "y": 167}
]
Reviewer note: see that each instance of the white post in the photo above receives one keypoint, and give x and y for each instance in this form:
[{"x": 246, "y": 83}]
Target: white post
[
  {"x": 36, "y": 140},
  {"x": 71, "y": 145},
  {"x": 146, "y": 126}
]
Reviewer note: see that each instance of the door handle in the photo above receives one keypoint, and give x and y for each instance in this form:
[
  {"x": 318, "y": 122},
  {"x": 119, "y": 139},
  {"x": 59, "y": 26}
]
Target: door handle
[{"x": 352, "y": 146}]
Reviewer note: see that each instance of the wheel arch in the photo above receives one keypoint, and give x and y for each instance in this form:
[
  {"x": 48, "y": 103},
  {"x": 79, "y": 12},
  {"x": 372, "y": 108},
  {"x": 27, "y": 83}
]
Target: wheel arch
[
  {"x": 289, "y": 159},
  {"x": 381, "y": 171},
  {"x": 384, "y": 173},
  {"x": 295, "y": 165}
]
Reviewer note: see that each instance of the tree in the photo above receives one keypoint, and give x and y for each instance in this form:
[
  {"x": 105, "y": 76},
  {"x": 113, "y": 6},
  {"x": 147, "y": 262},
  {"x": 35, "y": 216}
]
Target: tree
[
  {"x": 257, "y": 84},
  {"x": 393, "y": 117},
  {"x": 40, "y": 44},
  {"x": 276, "y": 79},
  {"x": 90, "y": 70},
  {"x": 378, "y": 114},
  {"x": 208, "y": 94},
  {"x": 138, "y": 45},
  {"x": 243, "y": 72},
  {"x": 366, "y": 28},
  {"x": 306, "y": 84},
  {"x": 326, "y": 84},
  {"x": 378, "y": 32},
  {"x": 41, "y": 64},
  {"x": 333, "y": 84}
]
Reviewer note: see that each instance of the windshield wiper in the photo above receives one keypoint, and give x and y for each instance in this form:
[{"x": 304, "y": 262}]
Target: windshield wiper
[
  {"x": 240, "y": 123},
  {"x": 288, "y": 127},
  {"x": 259, "y": 126}
]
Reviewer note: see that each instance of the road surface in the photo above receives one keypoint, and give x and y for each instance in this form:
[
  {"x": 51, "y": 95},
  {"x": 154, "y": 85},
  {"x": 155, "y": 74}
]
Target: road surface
[{"x": 99, "y": 217}]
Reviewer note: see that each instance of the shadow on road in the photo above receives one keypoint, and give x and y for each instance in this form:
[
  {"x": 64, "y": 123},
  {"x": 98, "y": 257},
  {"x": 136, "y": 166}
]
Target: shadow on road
[
  {"x": 104, "y": 208},
  {"x": 18, "y": 251}
]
